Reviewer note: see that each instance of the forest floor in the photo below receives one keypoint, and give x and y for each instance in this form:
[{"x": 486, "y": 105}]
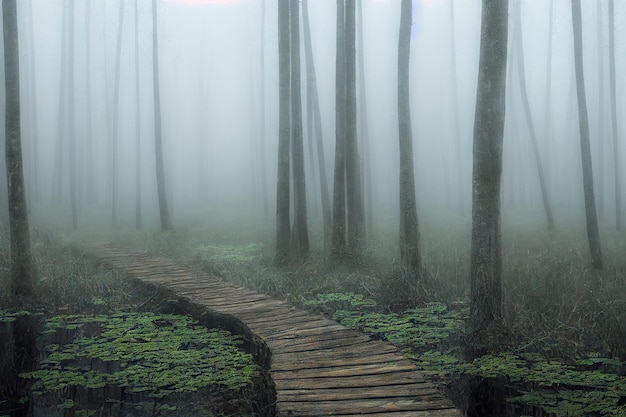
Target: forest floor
[
  {"x": 562, "y": 348},
  {"x": 561, "y": 352}
]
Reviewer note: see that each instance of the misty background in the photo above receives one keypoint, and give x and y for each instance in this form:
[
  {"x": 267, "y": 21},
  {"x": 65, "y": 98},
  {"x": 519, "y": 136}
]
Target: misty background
[{"x": 219, "y": 97}]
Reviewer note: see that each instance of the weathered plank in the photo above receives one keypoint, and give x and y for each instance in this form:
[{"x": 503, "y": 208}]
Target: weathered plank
[{"x": 319, "y": 367}]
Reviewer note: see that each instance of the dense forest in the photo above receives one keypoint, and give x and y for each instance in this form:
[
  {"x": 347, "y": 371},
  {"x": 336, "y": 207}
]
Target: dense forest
[{"x": 393, "y": 164}]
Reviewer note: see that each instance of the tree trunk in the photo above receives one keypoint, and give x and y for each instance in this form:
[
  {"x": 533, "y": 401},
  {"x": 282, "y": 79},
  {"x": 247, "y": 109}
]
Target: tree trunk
[
  {"x": 366, "y": 166},
  {"x": 300, "y": 234},
  {"x": 316, "y": 121},
  {"x": 456, "y": 119},
  {"x": 116, "y": 115},
  {"x": 354, "y": 200},
  {"x": 262, "y": 137},
  {"x": 23, "y": 348},
  {"x": 166, "y": 222},
  {"x": 601, "y": 110},
  {"x": 593, "y": 233},
  {"x": 89, "y": 165},
  {"x": 409, "y": 228},
  {"x": 486, "y": 250},
  {"x": 283, "y": 225},
  {"x": 618, "y": 193},
  {"x": 138, "y": 220},
  {"x": 521, "y": 72},
  {"x": 57, "y": 177},
  {"x": 72, "y": 113},
  {"x": 338, "y": 249}
]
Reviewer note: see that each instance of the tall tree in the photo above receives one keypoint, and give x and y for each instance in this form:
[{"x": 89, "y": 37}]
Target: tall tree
[
  {"x": 366, "y": 166},
  {"x": 314, "y": 121},
  {"x": 164, "y": 214},
  {"x": 116, "y": 114},
  {"x": 338, "y": 248},
  {"x": 283, "y": 225},
  {"x": 72, "y": 114},
  {"x": 138, "y": 219},
  {"x": 486, "y": 249},
  {"x": 409, "y": 228},
  {"x": 89, "y": 181},
  {"x": 300, "y": 234},
  {"x": 601, "y": 107},
  {"x": 521, "y": 75},
  {"x": 57, "y": 178},
  {"x": 22, "y": 267},
  {"x": 354, "y": 198},
  {"x": 593, "y": 234},
  {"x": 616, "y": 162},
  {"x": 456, "y": 119}
]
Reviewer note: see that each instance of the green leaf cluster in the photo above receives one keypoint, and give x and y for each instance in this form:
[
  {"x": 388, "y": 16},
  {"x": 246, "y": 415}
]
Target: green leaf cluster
[{"x": 142, "y": 352}]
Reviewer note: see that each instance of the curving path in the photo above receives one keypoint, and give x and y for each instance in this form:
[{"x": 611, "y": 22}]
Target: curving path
[{"x": 319, "y": 367}]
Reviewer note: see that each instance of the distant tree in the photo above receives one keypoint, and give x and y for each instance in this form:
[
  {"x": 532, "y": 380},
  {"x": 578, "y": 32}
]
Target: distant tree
[
  {"x": 59, "y": 164},
  {"x": 616, "y": 161},
  {"x": 138, "y": 219},
  {"x": 116, "y": 114},
  {"x": 262, "y": 137},
  {"x": 300, "y": 234},
  {"x": 486, "y": 250},
  {"x": 89, "y": 181},
  {"x": 409, "y": 228},
  {"x": 21, "y": 349},
  {"x": 283, "y": 225},
  {"x": 314, "y": 121},
  {"x": 164, "y": 214},
  {"x": 33, "y": 123},
  {"x": 72, "y": 116},
  {"x": 354, "y": 192},
  {"x": 521, "y": 73},
  {"x": 601, "y": 107},
  {"x": 363, "y": 128},
  {"x": 338, "y": 248},
  {"x": 593, "y": 234},
  {"x": 456, "y": 119}
]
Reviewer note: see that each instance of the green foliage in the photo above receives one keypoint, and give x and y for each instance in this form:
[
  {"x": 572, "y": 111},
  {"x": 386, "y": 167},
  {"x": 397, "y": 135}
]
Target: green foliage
[
  {"x": 593, "y": 385},
  {"x": 156, "y": 355}
]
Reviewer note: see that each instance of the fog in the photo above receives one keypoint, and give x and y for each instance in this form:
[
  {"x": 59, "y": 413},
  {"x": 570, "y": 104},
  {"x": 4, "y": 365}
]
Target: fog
[{"x": 219, "y": 97}]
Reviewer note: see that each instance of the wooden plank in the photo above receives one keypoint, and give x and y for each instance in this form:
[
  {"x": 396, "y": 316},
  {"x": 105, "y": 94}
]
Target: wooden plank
[
  {"x": 371, "y": 370},
  {"x": 404, "y": 377},
  {"x": 335, "y": 408},
  {"x": 304, "y": 361},
  {"x": 334, "y": 394}
]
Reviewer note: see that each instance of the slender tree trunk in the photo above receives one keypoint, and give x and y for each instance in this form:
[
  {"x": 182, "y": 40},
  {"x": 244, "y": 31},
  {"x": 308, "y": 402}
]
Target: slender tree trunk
[
  {"x": 262, "y": 137},
  {"x": 338, "y": 249},
  {"x": 593, "y": 234},
  {"x": 366, "y": 167},
  {"x": 34, "y": 191},
  {"x": 164, "y": 214},
  {"x": 138, "y": 220},
  {"x": 316, "y": 124},
  {"x": 89, "y": 173},
  {"x": 354, "y": 200},
  {"x": 456, "y": 119},
  {"x": 616, "y": 162},
  {"x": 300, "y": 234},
  {"x": 57, "y": 180},
  {"x": 23, "y": 348},
  {"x": 521, "y": 72},
  {"x": 409, "y": 227},
  {"x": 486, "y": 249},
  {"x": 283, "y": 225},
  {"x": 601, "y": 109},
  {"x": 72, "y": 113},
  {"x": 116, "y": 114}
]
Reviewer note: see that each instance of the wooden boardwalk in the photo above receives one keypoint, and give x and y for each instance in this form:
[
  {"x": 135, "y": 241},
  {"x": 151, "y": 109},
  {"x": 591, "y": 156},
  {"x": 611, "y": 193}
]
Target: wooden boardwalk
[{"x": 319, "y": 367}]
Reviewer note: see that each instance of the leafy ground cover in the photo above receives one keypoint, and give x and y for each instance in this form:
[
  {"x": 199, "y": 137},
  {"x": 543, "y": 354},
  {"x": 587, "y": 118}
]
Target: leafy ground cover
[{"x": 107, "y": 348}]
